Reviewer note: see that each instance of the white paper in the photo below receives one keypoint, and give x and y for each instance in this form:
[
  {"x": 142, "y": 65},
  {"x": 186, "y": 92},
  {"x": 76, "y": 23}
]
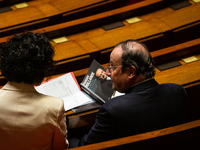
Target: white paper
[{"x": 65, "y": 88}]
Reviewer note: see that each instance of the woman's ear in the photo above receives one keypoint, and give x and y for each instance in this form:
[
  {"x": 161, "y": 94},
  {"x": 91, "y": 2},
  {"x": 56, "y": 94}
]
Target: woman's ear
[{"x": 132, "y": 72}]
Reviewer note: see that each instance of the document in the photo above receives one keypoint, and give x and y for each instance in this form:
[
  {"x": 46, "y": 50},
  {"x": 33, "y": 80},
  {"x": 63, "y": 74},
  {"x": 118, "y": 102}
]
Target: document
[{"x": 66, "y": 88}]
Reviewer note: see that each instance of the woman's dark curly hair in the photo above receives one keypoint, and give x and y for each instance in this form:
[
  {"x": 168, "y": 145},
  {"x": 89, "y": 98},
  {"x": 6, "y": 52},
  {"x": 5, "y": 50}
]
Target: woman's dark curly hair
[
  {"x": 134, "y": 56},
  {"x": 27, "y": 57}
]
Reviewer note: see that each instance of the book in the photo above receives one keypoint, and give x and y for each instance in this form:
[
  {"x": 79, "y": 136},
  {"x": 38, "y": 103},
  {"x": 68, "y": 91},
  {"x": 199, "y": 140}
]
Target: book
[
  {"x": 97, "y": 84},
  {"x": 93, "y": 91}
]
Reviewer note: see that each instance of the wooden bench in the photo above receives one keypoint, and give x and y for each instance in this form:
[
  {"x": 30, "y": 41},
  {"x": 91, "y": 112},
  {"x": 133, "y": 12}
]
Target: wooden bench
[{"x": 183, "y": 136}]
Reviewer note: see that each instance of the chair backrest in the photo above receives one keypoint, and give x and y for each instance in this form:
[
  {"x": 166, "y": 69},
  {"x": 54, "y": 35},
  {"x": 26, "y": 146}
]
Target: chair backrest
[{"x": 184, "y": 136}]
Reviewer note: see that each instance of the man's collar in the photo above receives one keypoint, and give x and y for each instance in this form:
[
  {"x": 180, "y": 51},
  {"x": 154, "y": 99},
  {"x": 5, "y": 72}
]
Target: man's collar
[{"x": 142, "y": 85}]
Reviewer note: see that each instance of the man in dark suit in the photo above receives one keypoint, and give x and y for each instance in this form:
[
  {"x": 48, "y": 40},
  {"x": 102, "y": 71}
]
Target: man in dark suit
[{"x": 146, "y": 105}]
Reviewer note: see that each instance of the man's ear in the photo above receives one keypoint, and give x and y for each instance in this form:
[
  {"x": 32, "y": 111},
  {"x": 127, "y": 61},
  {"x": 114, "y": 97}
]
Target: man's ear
[{"x": 132, "y": 72}]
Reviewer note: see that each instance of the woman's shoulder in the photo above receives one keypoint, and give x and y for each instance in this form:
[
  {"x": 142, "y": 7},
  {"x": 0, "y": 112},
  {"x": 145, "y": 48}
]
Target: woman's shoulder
[{"x": 50, "y": 101}]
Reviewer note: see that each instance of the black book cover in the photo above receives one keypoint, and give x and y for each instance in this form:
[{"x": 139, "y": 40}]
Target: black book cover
[
  {"x": 97, "y": 84},
  {"x": 95, "y": 87}
]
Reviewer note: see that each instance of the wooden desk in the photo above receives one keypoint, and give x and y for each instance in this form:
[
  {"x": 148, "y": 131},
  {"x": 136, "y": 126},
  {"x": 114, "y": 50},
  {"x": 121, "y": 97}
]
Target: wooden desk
[
  {"x": 151, "y": 31},
  {"x": 185, "y": 75},
  {"x": 95, "y": 21},
  {"x": 16, "y": 19},
  {"x": 92, "y": 21},
  {"x": 159, "y": 23},
  {"x": 43, "y": 13}
]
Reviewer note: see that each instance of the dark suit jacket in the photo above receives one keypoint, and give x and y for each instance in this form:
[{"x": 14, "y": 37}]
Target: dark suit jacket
[{"x": 145, "y": 107}]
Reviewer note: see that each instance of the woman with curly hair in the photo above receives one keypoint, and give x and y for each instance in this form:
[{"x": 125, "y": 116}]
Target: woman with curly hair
[{"x": 28, "y": 119}]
